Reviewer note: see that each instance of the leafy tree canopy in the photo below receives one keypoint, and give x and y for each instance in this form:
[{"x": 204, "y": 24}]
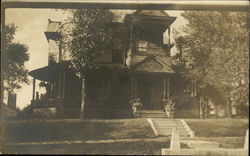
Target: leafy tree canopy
[
  {"x": 14, "y": 55},
  {"x": 87, "y": 36},
  {"x": 214, "y": 51}
]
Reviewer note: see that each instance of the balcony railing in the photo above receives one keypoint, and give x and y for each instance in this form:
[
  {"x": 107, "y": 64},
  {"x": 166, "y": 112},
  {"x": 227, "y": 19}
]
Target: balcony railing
[{"x": 151, "y": 50}]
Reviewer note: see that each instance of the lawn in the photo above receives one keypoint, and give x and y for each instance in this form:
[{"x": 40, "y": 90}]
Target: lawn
[
  {"x": 60, "y": 130},
  {"x": 136, "y": 133},
  {"x": 117, "y": 148},
  {"x": 230, "y": 133},
  {"x": 126, "y": 136},
  {"x": 218, "y": 127}
]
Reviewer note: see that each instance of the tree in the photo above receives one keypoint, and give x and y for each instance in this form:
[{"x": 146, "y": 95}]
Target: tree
[
  {"x": 14, "y": 55},
  {"x": 214, "y": 52},
  {"x": 86, "y": 38}
]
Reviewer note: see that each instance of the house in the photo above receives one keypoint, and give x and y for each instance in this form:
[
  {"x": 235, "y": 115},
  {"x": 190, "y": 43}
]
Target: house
[
  {"x": 138, "y": 66},
  {"x": 10, "y": 110}
]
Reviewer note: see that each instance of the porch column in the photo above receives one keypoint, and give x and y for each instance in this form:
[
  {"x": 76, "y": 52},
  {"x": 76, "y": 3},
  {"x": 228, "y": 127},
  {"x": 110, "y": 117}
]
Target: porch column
[
  {"x": 164, "y": 86},
  {"x": 135, "y": 85},
  {"x": 34, "y": 89},
  {"x": 51, "y": 90},
  {"x": 63, "y": 83},
  {"x": 132, "y": 86},
  {"x": 59, "y": 85},
  {"x": 168, "y": 86}
]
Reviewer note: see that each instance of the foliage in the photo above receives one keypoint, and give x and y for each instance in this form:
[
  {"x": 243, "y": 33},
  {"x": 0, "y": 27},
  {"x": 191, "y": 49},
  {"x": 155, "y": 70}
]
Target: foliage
[
  {"x": 136, "y": 104},
  {"x": 14, "y": 55},
  {"x": 168, "y": 104},
  {"x": 213, "y": 50},
  {"x": 87, "y": 37}
]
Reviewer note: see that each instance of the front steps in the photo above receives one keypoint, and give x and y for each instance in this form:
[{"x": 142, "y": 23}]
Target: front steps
[
  {"x": 152, "y": 114},
  {"x": 164, "y": 127}
]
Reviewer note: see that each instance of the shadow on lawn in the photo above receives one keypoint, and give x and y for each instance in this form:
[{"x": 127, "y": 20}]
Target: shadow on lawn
[{"x": 80, "y": 130}]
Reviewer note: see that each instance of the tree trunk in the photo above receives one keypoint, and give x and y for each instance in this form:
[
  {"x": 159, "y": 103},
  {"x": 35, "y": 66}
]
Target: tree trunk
[
  {"x": 207, "y": 108},
  {"x": 241, "y": 111},
  {"x": 82, "y": 114},
  {"x": 202, "y": 109},
  {"x": 216, "y": 111},
  {"x": 229, "y": 109}
]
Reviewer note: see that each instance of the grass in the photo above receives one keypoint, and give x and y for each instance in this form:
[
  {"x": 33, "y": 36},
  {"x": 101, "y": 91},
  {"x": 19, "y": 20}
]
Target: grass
[
  {"x": 228, "y": 142},
  {"x": 138, "y": 134},
  {"x": 219, "y": 127},
  {"x": 77, "y": 130},
  {"x": 121, "y": 148},
  {"x": 142, "y": 146}
]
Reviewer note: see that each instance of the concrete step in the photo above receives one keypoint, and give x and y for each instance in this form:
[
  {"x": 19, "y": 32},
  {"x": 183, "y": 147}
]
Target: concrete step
[
  {"x": 153, "y": 112},
  {"x": 170, "y": 130},
  {"x": 181, "y": 133},
  {"x": 164, "y": 127},
  {"x": 158, "y": 117},
  {"x": 149, "y": 116},
  {"x": 156, "y": 112},
  {"x": 169, "y": 134},
  {"x": 167, "y": 122},
  {"x": 164, "y": 116},
  {"x": 169, "y": 126}
]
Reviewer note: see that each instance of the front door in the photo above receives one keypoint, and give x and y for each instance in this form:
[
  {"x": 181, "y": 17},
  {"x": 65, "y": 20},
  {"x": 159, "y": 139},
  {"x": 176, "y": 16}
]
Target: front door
[
  {"x": 150, "y": 90},
  {"x": 156, "y": 96}
]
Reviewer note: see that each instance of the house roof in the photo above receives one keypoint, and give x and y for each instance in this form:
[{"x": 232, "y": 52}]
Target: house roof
[
  {"x": 48, "y": 73},
  {"x": 52, "y": 29},
  {"x": 161, "y": 13},
  {"x": 53, "y": 26},
  {"x": 154, "y": 64},
  {"x": 150, "y": 17}
]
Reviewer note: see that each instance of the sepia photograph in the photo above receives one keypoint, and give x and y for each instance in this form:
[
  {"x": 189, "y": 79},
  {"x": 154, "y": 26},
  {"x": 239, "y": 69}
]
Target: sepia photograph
[{"x": 146, "y": 77}]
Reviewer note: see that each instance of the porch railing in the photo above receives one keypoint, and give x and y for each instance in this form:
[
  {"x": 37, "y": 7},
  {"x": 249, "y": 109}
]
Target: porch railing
[{"x": 42, "y": 103}]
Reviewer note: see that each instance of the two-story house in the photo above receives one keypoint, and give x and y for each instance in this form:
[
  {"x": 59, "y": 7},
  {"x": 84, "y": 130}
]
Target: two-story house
[{"x": 138, "y": 66}]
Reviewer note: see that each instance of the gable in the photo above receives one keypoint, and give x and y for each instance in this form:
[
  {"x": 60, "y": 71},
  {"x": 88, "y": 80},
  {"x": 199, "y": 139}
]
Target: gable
[
  {"x": 150, "y": 65},
  {"x": 151, "y": 13}
]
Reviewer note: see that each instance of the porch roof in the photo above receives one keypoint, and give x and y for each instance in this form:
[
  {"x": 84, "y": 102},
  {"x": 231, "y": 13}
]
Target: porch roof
[
  {"x": 48, "y": 73},
  {"x": 153, "y": 64}
]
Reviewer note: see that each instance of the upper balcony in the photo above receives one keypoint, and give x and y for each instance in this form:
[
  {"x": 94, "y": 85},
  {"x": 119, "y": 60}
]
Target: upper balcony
[
  {"x": 151, "y": 51},
  {"x": 147, "y": 48}
]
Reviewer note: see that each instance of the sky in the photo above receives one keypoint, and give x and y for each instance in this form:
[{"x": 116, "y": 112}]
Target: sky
[{"x": 31, "y": 24}]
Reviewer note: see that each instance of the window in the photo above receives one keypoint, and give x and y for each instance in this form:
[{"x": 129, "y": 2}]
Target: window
[
  {"x": 142, "y": 46},
  {"x": 117, "y": 49}
]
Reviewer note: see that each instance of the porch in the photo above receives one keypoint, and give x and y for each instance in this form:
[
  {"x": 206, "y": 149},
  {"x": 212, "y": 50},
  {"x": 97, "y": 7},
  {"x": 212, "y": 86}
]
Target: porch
[
  {"x": 63, "y": 91},
  {"x": 151, "y": 89}
]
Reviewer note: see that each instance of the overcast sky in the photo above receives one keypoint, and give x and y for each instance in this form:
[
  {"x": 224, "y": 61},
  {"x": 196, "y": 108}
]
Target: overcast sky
[{"x": 31, "y": 25}]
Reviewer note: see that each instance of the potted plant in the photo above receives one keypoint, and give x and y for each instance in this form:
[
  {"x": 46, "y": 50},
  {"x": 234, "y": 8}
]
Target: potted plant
[
  {"x": 169, "y": 106},
  {"x": 136, "y": 106}
]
